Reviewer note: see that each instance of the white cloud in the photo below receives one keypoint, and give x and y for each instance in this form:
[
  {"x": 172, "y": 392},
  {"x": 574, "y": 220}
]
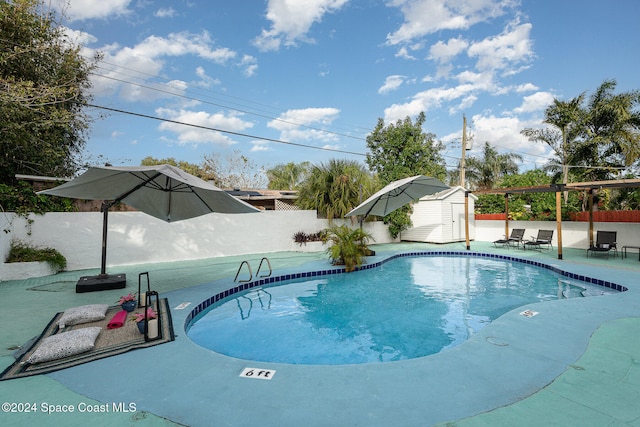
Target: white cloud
[
  {"x": 536, "y": 102},
  {"x": 198, "y": 135},
  {"x": 503, "y": 133},
  {"x": 466, "y": 103},
  {"x": 424, "y": 17},
  {"x": 391, "y": 83},
  {"x": 403, "y": 52},
  {"x": 481, "y": 81},
  {"x": 147, "y": 58},
  {"x": 295, "y": 125},
  {"x": 292, "y": 20},
  {"x": 184, "y": 43},
  {"x": 165, "y": 12},
  {"x": 206, "y": 81},
  {"x": 332, "y": 147},
  {"x": 78, "y": 10},
  {"x": 79, "y": 37},
  {"x": 444, "y": 52},
  {"x": 426, "y": 100},
  {"x": 502, "y": 51},
  {"x": 260, "y": 146},
  {"x": 527, "y": 87},
  {"x": 250, "y": 65}
]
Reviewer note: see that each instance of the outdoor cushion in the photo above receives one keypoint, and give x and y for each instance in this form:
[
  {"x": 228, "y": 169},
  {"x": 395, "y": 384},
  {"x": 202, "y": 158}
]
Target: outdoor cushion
[
  {"x": 65, "y": 344},
  {"x": 82, "y": 314}
]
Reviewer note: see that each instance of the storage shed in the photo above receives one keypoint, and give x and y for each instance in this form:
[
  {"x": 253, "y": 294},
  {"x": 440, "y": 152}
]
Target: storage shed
[{"x": 439, "y": 218}]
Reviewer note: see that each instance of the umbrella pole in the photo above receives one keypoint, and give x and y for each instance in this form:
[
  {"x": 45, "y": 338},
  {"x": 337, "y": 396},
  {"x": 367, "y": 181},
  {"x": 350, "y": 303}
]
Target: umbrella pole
[
  {"x": 105, "y": 216},
  {"x": 102, "y": 281}
]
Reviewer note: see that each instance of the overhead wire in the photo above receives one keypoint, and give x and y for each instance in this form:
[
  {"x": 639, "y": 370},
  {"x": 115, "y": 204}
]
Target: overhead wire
[
  {"x": 245, "y": 110},
  {"x": 224, "y": 131}
]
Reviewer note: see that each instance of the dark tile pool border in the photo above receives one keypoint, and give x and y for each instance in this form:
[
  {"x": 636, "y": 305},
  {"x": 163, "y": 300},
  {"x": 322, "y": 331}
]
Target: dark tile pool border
[{"x": 204, "y": 305}]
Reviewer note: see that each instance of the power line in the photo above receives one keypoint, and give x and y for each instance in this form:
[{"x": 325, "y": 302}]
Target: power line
[
  {"x": 173, "y": 93},
  {"x": 224, "y": 131}
]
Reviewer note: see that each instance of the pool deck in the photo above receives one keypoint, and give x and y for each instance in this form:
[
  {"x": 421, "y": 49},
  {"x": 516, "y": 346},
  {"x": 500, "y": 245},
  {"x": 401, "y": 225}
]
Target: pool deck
[{"x": 575, "y": 363}]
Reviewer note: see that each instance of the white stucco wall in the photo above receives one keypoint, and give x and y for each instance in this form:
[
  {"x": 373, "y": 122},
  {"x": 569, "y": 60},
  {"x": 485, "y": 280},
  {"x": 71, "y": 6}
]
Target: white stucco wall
[
  {"x": 574, "y": 234},
  {"x": 134, "y": 237}
]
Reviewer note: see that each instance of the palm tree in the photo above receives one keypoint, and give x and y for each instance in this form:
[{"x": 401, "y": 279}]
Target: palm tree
[
  {"x": 349, "y": 246},
  {"x": 288, "y": 176},
  {"x": 484, "y": 172},
  {"x": 334, "y": 188},
  {"x": 612, "y": 124},
  {"x": 601, "y": 137},
  {"x": 566, "y": 118}
]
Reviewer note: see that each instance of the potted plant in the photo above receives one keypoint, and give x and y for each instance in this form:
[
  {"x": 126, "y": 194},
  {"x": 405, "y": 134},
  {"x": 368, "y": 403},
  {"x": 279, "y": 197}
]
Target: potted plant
[
  {"x": 349, "y": 246},
  {"x": 128, "y": 302},
  {"x": 312, "y": 242},
  {"x": 142, "y": 318}
]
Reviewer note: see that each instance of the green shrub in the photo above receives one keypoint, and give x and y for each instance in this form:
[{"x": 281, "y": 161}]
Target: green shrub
[
  {"x": 349, "y": 246},
  {"x": 24, "y": 252}
]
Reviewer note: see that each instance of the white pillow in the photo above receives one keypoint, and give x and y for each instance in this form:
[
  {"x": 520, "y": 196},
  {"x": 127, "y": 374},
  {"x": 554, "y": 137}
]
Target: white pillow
[
  {"x": 82, "y": 314},
  {"x": 65, "y": 344}
]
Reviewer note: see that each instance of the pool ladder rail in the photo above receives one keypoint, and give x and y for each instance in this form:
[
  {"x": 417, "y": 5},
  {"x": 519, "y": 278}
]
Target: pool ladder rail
[{"x": 245, "y": 262}]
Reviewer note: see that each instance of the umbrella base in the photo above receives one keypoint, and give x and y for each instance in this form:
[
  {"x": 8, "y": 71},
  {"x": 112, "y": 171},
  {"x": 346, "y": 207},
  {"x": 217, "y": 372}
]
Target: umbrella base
[{"x": 101, "y": 282}]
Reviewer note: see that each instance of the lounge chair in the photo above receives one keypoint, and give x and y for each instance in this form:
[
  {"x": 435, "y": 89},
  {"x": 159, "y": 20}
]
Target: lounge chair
[
  {"x": 517, "y": 234},
  {"x": 544, "y": 238},
  {"x": 605, "y": 242}
]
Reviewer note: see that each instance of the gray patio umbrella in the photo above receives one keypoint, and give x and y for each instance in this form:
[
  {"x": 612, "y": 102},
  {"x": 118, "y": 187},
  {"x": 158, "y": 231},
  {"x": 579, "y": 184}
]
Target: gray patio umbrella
[
  {"x": 162, "y": 191},
  {"x": 397, "y": 194}
]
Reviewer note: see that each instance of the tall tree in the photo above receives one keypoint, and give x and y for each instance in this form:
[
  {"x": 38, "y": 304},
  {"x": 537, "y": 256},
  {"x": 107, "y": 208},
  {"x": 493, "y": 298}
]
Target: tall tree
[
  {"x": 288, "y": 176},
  {"x": 45, "y": 82},
  {"x": 335, "y": 188},
  {"x": 483, "y": 172},
  {"x": 400, "y": 150},
  {"x": 235, "y": 170}
]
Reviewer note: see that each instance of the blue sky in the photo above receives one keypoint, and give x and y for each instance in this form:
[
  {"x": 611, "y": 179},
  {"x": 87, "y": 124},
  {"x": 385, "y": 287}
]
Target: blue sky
[{"x": 319, "y": 73}]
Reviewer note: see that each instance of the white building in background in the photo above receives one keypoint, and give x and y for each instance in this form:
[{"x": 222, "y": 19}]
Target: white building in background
[{"x": 439, "y": 218}]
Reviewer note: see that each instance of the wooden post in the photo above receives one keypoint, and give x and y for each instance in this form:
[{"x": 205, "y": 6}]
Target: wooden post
[
  {"x": 559, "y": 222},
  {"x": 506, "y": 215},
  {"x": 464, "y": 152},
  {"x": 591, "y": 217},
  {"x": 466, "y": 219}
]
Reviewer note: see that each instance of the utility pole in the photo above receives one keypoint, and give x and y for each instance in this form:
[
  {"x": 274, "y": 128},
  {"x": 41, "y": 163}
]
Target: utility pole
[
  {"x": 464, "y": 151},
  {"x": 462, "y": 179}
]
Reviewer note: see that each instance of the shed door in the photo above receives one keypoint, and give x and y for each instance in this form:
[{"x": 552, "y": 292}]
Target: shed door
[{"x": 457, "y": 217}]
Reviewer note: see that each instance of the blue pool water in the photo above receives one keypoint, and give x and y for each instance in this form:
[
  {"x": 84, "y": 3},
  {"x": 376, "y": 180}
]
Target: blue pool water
[{"x": 406, "y": 308}]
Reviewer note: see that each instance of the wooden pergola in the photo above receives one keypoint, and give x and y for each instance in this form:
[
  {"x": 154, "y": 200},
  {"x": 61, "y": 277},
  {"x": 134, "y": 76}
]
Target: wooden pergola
[{"x": 558, "y": 189}]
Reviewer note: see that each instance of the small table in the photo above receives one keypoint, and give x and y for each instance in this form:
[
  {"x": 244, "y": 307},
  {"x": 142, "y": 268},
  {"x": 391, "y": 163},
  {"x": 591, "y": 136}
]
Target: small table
[{"x": 624, "y": 251}]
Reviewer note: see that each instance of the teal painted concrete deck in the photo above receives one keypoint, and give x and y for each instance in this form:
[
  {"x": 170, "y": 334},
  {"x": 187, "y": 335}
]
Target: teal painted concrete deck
[{"x": 575, "y": 363}]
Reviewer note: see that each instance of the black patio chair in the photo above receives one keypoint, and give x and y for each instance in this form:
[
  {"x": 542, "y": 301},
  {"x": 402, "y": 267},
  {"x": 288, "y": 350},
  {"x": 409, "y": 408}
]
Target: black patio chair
[
  {"x": 543, "y": 239},
  {"x": 517, "y": 234},
  {"x": 606, "y": 241}
]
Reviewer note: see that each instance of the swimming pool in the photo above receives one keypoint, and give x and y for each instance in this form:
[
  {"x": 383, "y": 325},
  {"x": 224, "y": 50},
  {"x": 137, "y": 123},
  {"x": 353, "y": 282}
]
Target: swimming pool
[{"x": 406, "y": 308}]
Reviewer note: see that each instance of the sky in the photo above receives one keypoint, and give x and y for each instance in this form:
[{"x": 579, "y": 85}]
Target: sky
[{"x": 282, "y": 81}]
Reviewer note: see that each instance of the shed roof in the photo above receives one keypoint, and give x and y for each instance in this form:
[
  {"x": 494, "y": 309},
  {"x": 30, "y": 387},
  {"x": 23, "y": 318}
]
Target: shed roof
[{"x": 447, "y": 193}]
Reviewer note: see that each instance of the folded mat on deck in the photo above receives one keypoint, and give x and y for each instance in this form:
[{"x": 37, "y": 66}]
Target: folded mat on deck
[{"x": 117, "y": 320}]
